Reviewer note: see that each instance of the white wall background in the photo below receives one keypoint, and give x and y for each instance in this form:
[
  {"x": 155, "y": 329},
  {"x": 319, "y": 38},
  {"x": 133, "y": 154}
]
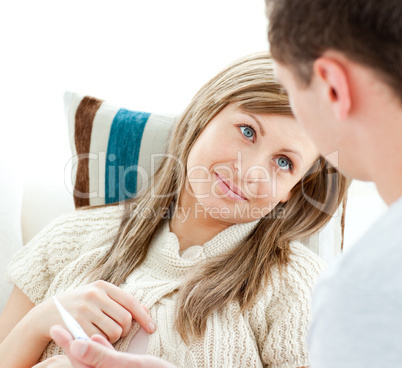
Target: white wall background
[{"x": 148, "y": 55}]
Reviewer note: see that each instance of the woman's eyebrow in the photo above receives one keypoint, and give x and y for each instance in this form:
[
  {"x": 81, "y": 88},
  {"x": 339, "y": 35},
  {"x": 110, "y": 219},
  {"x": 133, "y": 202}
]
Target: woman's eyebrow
[
  {"x": 292, "y": 151},
  {"x": 258, "y": 123}
]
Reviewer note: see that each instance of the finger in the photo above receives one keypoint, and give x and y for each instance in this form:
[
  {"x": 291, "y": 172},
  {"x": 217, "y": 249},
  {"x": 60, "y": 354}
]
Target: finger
[
  {"x": 93, "y": 320},
  {"x": 101, "y": 340},
  {"x": 102, "y": 314},
  {"x": 96, "y": 355},
  {"x": 63, "y": 338},
  {"x": 132, "y": 305},
  {"x": 109, "y": 328},
  {"x": 40, "y": 365},
  {"x": 119, "y": 315},
  {"x": 58, "y": 361},
  {"x": 99, "y": 317}
]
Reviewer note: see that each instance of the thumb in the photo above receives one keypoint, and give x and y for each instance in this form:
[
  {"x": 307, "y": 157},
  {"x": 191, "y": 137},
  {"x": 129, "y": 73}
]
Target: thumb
[{"x": 95, "y": 355}]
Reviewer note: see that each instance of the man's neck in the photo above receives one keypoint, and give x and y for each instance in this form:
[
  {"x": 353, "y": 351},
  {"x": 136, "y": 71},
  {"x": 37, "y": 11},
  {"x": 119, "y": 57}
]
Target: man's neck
[
  {"x": 384, "y": 153},
  {"x": 389, "y": 185}
]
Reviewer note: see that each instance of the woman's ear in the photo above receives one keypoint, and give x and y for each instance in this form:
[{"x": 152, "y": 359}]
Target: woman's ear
[{"x": 335, "y": 85}]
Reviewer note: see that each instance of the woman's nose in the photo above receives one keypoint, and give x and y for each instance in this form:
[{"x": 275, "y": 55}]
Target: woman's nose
[
  {"x": 252, "y": 169},
  {"x": 256, "y": 173}
]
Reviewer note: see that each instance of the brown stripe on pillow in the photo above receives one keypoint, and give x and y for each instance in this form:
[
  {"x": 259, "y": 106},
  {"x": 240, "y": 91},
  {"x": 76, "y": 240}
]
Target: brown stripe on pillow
[{"x": 84, "y": 118}]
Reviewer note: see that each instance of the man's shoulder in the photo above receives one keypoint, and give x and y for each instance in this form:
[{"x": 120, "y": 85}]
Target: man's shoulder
[
  {"x": 374, "y": 263},
  {"x": 357, "y": 302}
]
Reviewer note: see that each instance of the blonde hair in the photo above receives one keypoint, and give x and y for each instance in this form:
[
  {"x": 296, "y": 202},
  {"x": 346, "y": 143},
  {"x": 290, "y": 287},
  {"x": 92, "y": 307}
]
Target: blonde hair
[{"x": 239, "y": 274}]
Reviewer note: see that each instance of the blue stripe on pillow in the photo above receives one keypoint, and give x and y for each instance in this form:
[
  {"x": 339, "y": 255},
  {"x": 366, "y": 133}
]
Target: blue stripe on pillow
[{"x": 122, "y": 155}]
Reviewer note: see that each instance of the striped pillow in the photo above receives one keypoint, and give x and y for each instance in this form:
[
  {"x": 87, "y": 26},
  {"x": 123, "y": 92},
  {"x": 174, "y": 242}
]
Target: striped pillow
[{"x": 115, "y": 150}]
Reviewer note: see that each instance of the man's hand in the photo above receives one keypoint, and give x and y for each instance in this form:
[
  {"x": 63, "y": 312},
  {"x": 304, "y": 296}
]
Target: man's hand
[{"x": 99, "y": 353}]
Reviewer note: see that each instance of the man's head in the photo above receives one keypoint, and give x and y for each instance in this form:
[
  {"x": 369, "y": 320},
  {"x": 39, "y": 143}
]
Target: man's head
[
  {"x": 366, "y": 31},
  {"x": 341, "y": 63}
]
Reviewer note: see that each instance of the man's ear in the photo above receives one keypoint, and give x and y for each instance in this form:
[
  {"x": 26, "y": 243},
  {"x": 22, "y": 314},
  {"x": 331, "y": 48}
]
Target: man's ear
[{"x": 336, "y": 85}]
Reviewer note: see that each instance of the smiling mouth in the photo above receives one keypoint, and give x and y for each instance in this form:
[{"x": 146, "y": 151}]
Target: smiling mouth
[{"x": 231, "y": 191}]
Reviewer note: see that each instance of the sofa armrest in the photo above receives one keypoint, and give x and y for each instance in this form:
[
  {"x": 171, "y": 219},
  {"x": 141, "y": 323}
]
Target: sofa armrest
[{"x": 46, "y": 196}]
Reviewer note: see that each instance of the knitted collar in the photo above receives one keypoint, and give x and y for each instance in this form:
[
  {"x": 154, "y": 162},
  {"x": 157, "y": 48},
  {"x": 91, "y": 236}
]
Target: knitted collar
[{"x": 164, "y": 252}]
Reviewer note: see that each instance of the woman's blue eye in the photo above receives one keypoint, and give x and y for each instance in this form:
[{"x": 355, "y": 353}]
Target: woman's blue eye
[
  {"x": 284, "y": 163},
  {"x": 247, "y": 131}
]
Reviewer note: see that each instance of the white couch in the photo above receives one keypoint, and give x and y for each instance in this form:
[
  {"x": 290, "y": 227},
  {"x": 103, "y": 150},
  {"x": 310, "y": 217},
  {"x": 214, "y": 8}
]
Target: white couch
[
  {"x": 10, "y": 214},
  {"x": 30, "y": 199}
]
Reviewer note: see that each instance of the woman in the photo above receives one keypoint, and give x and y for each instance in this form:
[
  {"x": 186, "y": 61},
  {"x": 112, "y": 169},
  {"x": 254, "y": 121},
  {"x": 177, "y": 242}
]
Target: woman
[{"x": 209, "y": 249}]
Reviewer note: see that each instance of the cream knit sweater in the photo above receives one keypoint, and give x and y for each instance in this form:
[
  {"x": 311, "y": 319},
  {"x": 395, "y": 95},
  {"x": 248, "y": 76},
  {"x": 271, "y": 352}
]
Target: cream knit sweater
[{"x": 271, "y": 334}]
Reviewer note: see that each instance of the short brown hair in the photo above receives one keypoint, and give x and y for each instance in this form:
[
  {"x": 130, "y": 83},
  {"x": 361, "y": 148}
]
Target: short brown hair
[{"x": 366, "y": 31}]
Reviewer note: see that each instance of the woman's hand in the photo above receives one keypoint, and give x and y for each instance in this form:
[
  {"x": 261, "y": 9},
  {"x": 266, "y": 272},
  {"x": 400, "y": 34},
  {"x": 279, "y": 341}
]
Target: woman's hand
[
  {"x": 100, "y": 308},
  {"x": 99, "y": 353}
]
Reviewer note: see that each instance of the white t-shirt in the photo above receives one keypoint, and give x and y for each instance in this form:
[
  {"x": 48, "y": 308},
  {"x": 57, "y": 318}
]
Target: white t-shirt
[{"x": 357, "y": 304}]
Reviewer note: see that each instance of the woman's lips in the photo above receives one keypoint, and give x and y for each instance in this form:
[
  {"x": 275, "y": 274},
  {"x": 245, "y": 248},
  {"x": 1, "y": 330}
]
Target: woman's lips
[{"x": 230, "y": 189}]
